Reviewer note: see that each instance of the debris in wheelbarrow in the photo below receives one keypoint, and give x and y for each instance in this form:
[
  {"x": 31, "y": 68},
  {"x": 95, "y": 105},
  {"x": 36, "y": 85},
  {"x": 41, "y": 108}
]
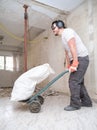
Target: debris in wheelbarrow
[{"x": 25, "y": 85}]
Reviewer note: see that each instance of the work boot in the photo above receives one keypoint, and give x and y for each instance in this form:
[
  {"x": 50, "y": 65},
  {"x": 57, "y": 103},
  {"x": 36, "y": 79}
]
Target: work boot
[
  {"x": 86, "y": 105},
  {"x": 71, "y": 108}
]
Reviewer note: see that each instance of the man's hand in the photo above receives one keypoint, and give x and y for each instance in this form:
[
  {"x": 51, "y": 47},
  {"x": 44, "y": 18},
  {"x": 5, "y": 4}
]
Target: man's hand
[{"x": 73, "y": 67}]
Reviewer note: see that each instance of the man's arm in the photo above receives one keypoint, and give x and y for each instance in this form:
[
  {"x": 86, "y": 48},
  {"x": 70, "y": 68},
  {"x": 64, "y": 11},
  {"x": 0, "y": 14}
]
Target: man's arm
[
  {"x": 67, "y": 59},
  {"x": 72, "y": 46}
]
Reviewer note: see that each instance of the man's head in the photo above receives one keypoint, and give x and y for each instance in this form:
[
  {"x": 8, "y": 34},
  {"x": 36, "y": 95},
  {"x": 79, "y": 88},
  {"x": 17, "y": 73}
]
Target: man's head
[{"x": 57, "y": 26}]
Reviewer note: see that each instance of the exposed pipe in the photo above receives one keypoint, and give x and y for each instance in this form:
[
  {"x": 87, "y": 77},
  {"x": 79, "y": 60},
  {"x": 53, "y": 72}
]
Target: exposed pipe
[{"x": 25, "y": 37}]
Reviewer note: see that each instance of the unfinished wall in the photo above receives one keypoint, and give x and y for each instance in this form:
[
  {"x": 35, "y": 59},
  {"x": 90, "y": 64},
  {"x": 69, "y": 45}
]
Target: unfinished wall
[
  {"x": 7, "y": 77},
  {"x": 50, "y": 50},
  {"x": 95, "y": 42}
]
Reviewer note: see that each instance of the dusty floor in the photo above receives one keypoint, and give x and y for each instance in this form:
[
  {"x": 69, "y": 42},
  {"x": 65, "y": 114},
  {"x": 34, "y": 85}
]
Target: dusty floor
[{"x": 16, "y": 116}]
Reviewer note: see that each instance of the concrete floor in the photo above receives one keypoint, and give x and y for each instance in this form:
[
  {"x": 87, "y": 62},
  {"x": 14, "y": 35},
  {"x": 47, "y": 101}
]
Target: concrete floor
[{"x": 17, "y": 116}]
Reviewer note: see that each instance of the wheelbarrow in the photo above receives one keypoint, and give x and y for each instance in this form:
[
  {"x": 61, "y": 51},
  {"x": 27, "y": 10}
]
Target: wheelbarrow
[{"x": 37, "y": 100}]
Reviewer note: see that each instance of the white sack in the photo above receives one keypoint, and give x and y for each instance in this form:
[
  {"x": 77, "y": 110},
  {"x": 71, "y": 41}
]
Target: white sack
[{"x": 24, "y": 86}]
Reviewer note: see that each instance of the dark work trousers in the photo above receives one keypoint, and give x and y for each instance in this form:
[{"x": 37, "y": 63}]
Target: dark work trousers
[{"x": 78, "y": 91}]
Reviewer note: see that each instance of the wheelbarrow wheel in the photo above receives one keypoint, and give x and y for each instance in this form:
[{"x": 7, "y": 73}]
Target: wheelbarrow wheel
[
  {"x": 35, "y": 107},
  {"x": 41, "y": 99}
]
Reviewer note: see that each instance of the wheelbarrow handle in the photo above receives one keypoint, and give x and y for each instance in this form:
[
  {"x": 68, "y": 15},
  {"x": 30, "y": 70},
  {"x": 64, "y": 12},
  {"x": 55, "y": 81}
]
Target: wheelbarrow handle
[{"x": 47, "y": 86}]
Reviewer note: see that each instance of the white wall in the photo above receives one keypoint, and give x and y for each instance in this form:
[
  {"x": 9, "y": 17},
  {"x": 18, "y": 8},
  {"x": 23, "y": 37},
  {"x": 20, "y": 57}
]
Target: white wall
[
  {"x": 7, "y": 78},
  {"x": 84, "y": 21}
]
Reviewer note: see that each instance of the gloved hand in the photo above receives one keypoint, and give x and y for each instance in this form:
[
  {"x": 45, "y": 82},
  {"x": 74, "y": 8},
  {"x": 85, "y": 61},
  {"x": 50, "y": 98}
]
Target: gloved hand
[{"x": 73, "y": 67}]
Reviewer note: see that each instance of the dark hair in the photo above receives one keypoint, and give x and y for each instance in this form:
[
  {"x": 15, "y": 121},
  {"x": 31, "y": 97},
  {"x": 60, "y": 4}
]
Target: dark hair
[{"x": 58, "y": 23}]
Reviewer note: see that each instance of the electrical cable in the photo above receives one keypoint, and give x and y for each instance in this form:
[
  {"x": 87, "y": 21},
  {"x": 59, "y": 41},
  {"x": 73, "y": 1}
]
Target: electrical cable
[{"x": 4, "y": 29}]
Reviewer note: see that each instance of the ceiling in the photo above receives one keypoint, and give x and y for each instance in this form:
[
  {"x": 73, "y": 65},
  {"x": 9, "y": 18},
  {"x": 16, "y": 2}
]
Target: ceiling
[{"x": 40, "y": 15}]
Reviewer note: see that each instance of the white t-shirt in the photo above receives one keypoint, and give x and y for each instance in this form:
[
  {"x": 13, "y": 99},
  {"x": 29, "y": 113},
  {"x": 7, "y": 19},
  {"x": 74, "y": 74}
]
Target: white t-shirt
[{"x": 69, "y": 33}]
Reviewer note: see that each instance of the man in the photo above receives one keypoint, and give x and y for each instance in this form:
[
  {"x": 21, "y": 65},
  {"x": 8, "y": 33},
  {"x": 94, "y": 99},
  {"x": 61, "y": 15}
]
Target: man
[{"x": 77, "y": 62}]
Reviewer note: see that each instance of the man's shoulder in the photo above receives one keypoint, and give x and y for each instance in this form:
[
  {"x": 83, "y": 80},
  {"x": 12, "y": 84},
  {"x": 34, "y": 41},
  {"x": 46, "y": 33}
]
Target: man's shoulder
[{"x": 68, "y": 29}]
